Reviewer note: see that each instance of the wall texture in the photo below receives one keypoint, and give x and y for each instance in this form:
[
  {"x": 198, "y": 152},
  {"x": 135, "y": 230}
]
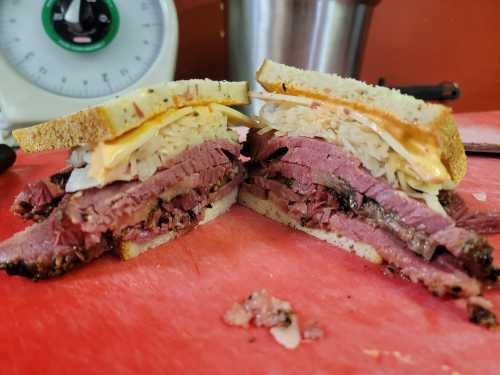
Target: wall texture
[
  {"x": 429, "y": 41},
  {"x": 202, "y": 46},
  {"x": 410, "y": 42}
]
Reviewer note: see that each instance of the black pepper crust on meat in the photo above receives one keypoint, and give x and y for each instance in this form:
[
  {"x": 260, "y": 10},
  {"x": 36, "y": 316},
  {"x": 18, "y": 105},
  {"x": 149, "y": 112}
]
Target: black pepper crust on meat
[
  {"x": 481, "y": 316},
  {"x": 180, "y": 214},
  {"x": 38, "y": 199},
  {"x": 61, "y": 178},
  {"x": 321, "y": 186},
  {"x": 480, "y": 222},
  {"x": 28, "y": 212},
  {"x": 59, "y": 264},
  {"x": 476, "y": 258},
  {"x": 84, "y": 225}
]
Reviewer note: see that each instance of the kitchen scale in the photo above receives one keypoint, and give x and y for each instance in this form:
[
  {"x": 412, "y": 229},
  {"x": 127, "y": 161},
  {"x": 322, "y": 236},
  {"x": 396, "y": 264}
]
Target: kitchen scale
[{"x": 59, "y": 56}]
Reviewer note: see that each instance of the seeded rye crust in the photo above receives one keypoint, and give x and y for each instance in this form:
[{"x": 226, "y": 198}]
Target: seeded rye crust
[
  {"x": 384, "y": 104},
  {"x": 111, "y": 119}
]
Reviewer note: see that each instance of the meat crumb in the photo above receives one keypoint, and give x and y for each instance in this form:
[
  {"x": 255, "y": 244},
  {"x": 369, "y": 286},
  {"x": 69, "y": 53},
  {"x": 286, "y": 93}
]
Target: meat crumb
[
  {"x": 401, "y": 358},
  {"x": 480, "y": 196},
  {"x": 389, "y": 270},
  {"x": 313, "y": 332},
  {"x": 237, "y": 316},
  {"x": 262, "y": 310},
  {"x": 288, "y": 336},
  {"x": 479, "y": 311},
  {"x": 374, "y": 353},
  {"x": 481, "y": 301},
  {"x": 268, "y": 311}
]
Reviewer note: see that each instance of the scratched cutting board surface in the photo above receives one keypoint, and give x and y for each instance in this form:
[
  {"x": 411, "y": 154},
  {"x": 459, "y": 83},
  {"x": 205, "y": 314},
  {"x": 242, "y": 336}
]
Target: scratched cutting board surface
[
  {"x": 161, "y": 312},
  {"x": 480, "y": 128}
]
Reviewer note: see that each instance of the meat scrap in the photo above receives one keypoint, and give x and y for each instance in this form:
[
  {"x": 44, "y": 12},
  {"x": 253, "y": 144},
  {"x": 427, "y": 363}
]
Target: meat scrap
[
  {"x": 480, "y": 196},
  {"x": 75, "y": 228},
  {"x": 313, "y": 331},
  {"x": 320, "y": 186},
  {"x": 38, "y": 199},
  {"x": 262, "y": 310},
  {"x": 487, "y": 222},
  {"x": 401, "y": 358},
  {"x": 237, "y": 315},
  {"x": 479, "y": 311}
]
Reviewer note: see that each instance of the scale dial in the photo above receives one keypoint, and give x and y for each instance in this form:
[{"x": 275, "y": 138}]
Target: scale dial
[
  {"x": 82, "y": 48},
  {"x": 81, "y": 26}
]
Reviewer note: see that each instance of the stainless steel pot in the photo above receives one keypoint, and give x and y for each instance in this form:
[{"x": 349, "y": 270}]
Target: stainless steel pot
[{"x": 322, "y": 35}]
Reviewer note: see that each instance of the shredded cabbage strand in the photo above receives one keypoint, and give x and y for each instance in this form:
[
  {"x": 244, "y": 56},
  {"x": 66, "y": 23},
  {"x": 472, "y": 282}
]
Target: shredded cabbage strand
[{"x": 305, "y": 117}]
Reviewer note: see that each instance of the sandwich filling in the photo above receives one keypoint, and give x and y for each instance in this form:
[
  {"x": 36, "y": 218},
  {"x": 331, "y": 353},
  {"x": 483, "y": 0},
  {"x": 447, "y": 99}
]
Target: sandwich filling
[
  {"x": 408, "y": 157},
  {"x": 160, "y": 178},
  {"x": 78, "y": 227},
  {"x": 320, "y": 185},
  {"x": 140, "y": 152}
]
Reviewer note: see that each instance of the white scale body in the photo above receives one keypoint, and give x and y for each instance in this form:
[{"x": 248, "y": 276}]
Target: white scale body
[{"x": 43, "y": 77}]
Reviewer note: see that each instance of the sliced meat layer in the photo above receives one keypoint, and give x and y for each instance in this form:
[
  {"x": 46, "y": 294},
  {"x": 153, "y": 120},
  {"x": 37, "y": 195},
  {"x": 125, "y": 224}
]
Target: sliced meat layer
[
  {"x": 49, "y": 248},
  {"x": 328, "y": 159},
  {"x": 181, "y": 213},
  {"x": 88, "y": 223},
  {"x": 480, "y": 222},
  {"x": 39, "y": 198},
  {"x": 203, "y": 165},
  {"x": 307, "y": 166},
  {"x": 440, "y": 276}
]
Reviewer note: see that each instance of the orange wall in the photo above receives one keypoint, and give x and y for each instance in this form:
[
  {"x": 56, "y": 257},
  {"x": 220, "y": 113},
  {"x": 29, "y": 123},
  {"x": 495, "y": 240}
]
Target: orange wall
[
  {"x": 410, "y": 42},
  {"x": 429, "y": 41},
  {"x": 202, "y": 48}
]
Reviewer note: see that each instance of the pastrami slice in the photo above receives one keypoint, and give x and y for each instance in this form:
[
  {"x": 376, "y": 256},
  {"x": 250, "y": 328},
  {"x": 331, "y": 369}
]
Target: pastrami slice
[
  {"x": 86, "y": 224},
  {"x": 322, "y": 187}
]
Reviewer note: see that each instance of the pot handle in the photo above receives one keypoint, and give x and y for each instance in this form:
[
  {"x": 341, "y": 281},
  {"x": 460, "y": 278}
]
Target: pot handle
[{"x": 447, "y": 90}]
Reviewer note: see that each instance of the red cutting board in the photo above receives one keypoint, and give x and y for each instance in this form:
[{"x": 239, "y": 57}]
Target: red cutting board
[{"x": 161, "y": 312}]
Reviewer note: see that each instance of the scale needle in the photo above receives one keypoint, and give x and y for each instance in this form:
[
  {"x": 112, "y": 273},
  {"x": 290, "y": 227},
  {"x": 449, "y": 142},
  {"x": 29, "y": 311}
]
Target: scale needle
[{"x": 73, "y": 13}]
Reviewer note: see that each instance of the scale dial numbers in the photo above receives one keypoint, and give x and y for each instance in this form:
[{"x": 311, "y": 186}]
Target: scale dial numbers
[{"x": 27, "y": 47}]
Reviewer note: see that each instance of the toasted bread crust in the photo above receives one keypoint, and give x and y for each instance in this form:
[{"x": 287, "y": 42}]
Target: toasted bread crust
[
  {"x": 113, "y": 118},
  {"x": 281, "y": 79},
  {"x": 270, "y": 210},
  {"x": 453, "y": 157},
  {"x": 84, "y": 127}
]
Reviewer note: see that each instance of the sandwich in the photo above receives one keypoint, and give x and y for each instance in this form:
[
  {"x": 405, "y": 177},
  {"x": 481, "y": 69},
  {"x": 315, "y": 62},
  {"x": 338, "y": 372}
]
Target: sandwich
[
  {"x": 142, "y": 169},
  {"x": 371, "y": 171}
]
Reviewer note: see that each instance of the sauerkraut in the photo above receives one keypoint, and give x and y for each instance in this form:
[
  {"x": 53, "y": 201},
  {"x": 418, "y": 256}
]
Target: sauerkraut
[
  {"x": 203, "y": 124},
  {"x": 336, "y": 124}
]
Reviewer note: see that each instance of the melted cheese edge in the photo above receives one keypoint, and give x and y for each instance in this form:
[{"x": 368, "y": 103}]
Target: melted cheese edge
[
  {"x": 407, "y": 156},
  {"x": 140, "y": 151},
  {"x": 417, "y": 146}
]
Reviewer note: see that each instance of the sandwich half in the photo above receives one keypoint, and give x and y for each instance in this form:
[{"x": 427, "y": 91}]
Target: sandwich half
[
  {"x": 371, "y": 171},
  {"x": 142, "y": 169}
]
